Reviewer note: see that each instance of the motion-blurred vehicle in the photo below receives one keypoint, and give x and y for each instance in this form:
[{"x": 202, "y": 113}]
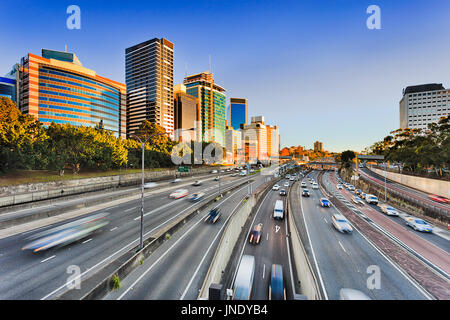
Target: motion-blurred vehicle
[
  {"x": 214, "y": 171},
  {"x": 196, "y": 196},
  {"x": 287, "y": 176},
  {"x": 371, "y": 199},
  {"x": 438, "y": 198},
  {"x": 276, "y": 287},
  {"x": 66, "y": 233},
  {"x": 217, "y": 178},
  {"x": 324, "y": 202},
  {"x": 339, "y": 186},
  {"x": 292, "y": 179},
  {"x": 341, "y": 223},
  {"x": 358, "y": 191},
  {"x": 306, "y": 193},
  {"x": 419, "y": 225},
  {"x": 213, "y": 215},
  {"x": 149, "y": 185},
  {"x": 198, "y": 183},
  {"x": 244, "y": 278},
  {"x": 363, "y": 195},
  {"x": 390, "y": 211},
  {"x": 315, "y": 186},
  {"x": 243, "y": 173},
  {"x": 278, "y": 211},
  {"x": 357, "y": 200},
  {"x": 255, "y": 234},
  {"x": 180, "y": 193},
  {"x": 286, "y": 184},
  {"x": 276, "y": 187},
  {"x": 351, "y": 187},
  {"x": 176, "y": 180},
  {"x": 283, "y": 192},
  {"x": 352, "y": 294},
  {"x": 303, "y": 185}
]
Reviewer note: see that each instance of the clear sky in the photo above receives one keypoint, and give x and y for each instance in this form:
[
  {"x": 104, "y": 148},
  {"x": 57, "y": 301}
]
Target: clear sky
[{"x": 311, "y": 67}]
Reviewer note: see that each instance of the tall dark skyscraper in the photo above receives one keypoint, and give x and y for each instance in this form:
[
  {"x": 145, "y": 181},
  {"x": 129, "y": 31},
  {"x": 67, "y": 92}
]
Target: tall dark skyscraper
[{"x": 149, "y": 79}]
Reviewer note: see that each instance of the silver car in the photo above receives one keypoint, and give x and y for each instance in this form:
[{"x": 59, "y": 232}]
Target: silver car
[
  {"x": 341, "y": 223},
  {"x": 352, "y": 294},
  {"x": 390, "y": 211}
]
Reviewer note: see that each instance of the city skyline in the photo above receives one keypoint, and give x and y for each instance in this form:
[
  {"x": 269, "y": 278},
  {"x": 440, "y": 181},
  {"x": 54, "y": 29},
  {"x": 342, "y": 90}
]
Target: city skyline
[{"x": 351, "y": 73}]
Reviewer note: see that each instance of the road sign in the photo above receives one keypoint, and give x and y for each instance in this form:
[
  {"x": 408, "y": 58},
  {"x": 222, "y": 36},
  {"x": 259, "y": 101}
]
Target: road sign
[{"x": 183, "y": 169}]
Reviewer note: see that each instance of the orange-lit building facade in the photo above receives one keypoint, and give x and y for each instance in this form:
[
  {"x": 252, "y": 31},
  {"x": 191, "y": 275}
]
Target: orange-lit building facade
[{"x": 55, "y": 87}]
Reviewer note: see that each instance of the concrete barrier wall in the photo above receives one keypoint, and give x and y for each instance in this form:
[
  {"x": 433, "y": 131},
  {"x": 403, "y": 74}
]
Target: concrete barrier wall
[
  {"x": 427, "y": 185},
  {"x": 17, "y": 194},
  {"x": 305, "y": 272},
  {"x": 226, "y": 245}
]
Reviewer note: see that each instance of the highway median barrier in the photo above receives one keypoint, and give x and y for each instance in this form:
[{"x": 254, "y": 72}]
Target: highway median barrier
[{"x": 102, "y": 282}]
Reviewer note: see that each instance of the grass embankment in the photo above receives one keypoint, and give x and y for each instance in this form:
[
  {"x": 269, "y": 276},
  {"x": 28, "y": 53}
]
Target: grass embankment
[{"x": 36, "y": 176}]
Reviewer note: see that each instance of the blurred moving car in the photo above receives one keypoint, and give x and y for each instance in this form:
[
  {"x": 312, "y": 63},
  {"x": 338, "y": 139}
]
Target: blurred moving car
[
  {"x": 286, "y": 184},
  {"x": 149, "y": 185},
  {"x": 276, "y": 187},
  {"x": 339, "y": 186},
  {"x": 180, "y": 193},
  {"x": 255, "y": 234},
  {"x": 324, "y": 202},
  {"x": 176, "y": 180},
  {"x": 282, "y": 192},
  {"x": 357, "y": 200},
  {"x": 315, "y": 186},
  {"x": 66, "y": 233},
  {"x": 196, "y": 196},
  {"x": 363, "y": 195},
  {"x": 358, "y": 191},
  {"x": 371, "y": 199},
  {"x": 390, "y": 211},
  {"x": 217, "y": 178},
  {"x": 213, "y": 215},
  {"x": 341, "y": 223},
  {"x": 303, "y": 185},
  {"x": 214, "y": 171},
  {"x": 419, "y": 225},
  {"x": 351, "y": 187},
  {"x": 306, "y": 193},
  {"x": 198, "y": 183},
  {"x": 276, "y": 286},
  {"x": 438, "y": 198},
  {"x": 352, "y": 294},
  {"x": 244, "y": 278}
]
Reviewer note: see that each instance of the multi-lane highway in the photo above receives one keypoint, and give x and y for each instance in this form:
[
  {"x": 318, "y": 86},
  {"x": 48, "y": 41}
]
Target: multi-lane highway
[
  {"x": 345, "y": 260},
  {"x": 43, "y": 275}
]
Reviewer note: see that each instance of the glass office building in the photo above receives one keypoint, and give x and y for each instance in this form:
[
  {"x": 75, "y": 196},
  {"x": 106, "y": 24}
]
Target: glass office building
[
  {"x": 238, "y": 113},
  {"x": 212, "y": 102},
  {"x": 8, "y": 88},
  {"x": 57, "y": 88}
]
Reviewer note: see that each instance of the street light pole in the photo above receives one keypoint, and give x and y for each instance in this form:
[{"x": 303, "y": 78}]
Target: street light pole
[{"x": 385, "y": 196}]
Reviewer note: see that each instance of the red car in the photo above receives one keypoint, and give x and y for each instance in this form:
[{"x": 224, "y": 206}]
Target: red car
[{"x": 438, "y": 198}]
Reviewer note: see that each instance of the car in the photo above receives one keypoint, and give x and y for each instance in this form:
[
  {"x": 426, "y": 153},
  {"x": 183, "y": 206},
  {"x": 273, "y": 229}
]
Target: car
[
  {"x": 255, "y": 234},
  {"x": 357, "y": 200},
  {"x": 438, "y": 198},
  {"x": 288, "y": 176},
  {"x": 177, "y": 194},
  {"x": 306, "y": 193},
  {"x": 351, "y": 188},
  {"x": 419, "y": 225},
  {"x": 340, "y": 223},
  {"x": 371, "y": 199},
  {"x": 276, "y": 187},
  {"x": 286, "y": 184},
  {"x": 283, "y": 192},
  {"x": 363, "y": 195},
  {"x": 196, "y": 196},
  {"x": 390, "y": 211},
  {"x": 149, "y": 185},
  {"x": 214, "y": 171},
  {"x": 217, "y": 178},
  {"x": 243, "y": 173},
  {"x": 278, "y": 211},
  {"x": 303, "y": 184},
  {"x": 277, "y": 290},
  {"x": 339, "y": 186},
  {"x": 222, "y": 171},
  {"x": 213, "y": 215},
  {"x": 324, "y": 202},
  {"x": 197, "y": 183},
  {"x": 358, "y": 191},
  {"x": 176, "y": 180},
  {"x": 292, "y": 178},
  {"x": 315, "y": 186},
  {"x": 352, "y": 294},
  {"x": 234, "y": 174}
]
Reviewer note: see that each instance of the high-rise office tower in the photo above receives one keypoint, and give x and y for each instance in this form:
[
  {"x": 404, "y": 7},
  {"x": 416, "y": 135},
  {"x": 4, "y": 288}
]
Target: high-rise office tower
[
  {"x": 212, "y": 105},
  {"x": 57, "y": 88},
  {"x": 423, "y": 104},
  {"x": 149, "y": 80},
  {"x": 238, "y": 112},
  {"x": 187, "y": 115},
  {"x": 318, "y": 146}
]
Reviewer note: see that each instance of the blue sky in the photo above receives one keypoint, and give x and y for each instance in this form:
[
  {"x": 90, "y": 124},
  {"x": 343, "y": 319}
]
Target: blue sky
[{"x": 311, "y": 67}]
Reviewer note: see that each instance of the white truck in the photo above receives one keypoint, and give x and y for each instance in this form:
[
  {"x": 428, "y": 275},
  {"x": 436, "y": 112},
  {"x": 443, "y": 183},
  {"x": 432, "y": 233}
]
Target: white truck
[{"x": 278, "y": 211}]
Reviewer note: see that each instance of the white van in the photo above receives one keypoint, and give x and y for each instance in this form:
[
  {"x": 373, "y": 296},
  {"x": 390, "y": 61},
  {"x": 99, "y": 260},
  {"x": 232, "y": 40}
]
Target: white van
[
  {"x": 278, "y": 211},
  {"x": 244, "y": 278},
  {"x": 243, "y": 173}
]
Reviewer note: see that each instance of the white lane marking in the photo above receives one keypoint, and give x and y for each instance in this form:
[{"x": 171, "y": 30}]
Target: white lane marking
[
  {"x": 167, "y": 251},
  {"x": 86, "y": 241},
  {"x": 264, "y": 270},
  {"x": 277, "y": 228},
  {"x": 325, "y": 220},
  {"x": 130, "y": 209},
  {"x": 267, "y": 238},
  {"x": 48, "y": 258},
  {"x": 113, "y": 229},
  {"x": 312, "y": 251},
  {"x": 342, "y": 246},
  {"x": 289, "y": 257}
]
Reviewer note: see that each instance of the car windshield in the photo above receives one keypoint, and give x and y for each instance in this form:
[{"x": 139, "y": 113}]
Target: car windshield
[
  {"x": 342, "y": 220},
  {"x": 420, "y": 222},
  {"x": 390, "y": 208}
]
